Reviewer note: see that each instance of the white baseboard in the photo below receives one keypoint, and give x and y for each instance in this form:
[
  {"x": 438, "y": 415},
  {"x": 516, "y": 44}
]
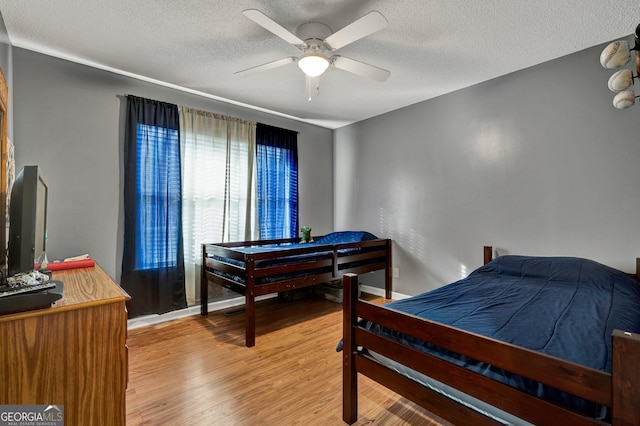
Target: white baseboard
[
  {"x": 146, "y": 320},
  {"x": 376, "y": 291}
]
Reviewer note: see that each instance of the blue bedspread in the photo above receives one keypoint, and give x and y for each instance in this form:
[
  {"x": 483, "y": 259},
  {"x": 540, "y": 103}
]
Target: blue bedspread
[
  {"x": 561, "y": 306},
  {"x": 340, "y": 237}
]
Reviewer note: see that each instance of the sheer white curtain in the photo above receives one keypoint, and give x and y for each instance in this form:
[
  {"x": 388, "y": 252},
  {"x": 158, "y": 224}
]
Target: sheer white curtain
[{"x": 218, "y": 185}]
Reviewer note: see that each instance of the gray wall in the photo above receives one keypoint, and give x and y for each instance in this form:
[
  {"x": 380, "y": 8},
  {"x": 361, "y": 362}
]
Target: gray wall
[
  {"x": 68, "y": 118},
  {"x": 536, "y": 162}
]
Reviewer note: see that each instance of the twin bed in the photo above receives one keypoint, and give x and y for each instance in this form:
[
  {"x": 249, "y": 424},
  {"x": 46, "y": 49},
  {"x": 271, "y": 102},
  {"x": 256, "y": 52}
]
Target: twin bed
[
  {"x": 256, "y": 268},
  {"x": 521, "y": 340},
  {"x": 541, "y": 340}
]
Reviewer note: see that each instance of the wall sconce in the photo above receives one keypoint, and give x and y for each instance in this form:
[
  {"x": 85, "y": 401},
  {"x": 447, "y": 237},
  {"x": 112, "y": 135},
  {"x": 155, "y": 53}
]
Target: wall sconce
[{"x": 617, "y": 54}]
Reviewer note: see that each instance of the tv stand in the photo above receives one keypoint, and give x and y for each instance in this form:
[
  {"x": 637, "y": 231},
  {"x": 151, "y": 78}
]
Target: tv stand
[{"x": 72, "y": 354}]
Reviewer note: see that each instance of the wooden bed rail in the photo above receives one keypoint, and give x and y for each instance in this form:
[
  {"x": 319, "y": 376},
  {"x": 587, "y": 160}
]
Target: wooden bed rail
[{"x": 617, "y": 390}]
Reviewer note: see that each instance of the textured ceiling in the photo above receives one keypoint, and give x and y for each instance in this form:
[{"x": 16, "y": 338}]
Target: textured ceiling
[{"x": 431, "y": 47}]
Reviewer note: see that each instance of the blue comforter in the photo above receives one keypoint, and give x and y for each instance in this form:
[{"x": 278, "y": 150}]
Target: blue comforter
[
  {"x": 340, "y": 237},
  {"x": 561, "y": 306}
]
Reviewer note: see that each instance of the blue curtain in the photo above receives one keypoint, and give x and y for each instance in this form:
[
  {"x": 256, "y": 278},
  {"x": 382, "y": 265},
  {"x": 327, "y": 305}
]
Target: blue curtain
[
  {"x": 152, "y": 262},
  {"x": 277, "y": 180}
]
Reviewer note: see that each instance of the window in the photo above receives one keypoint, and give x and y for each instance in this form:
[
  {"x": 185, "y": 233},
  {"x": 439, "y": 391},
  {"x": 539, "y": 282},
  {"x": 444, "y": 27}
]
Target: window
[
  {"x": 157, "y": 196},
  {"x": 277, "y": 164},
  {"x": 197, "y": 177}
]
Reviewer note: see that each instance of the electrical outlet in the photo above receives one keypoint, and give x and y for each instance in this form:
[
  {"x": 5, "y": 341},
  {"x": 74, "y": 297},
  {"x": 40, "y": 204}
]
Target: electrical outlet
[{"x": 396, "y": 272}]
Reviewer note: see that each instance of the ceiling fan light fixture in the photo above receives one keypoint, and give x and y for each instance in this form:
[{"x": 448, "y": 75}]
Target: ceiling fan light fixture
[{"x": 313, "y": 64}]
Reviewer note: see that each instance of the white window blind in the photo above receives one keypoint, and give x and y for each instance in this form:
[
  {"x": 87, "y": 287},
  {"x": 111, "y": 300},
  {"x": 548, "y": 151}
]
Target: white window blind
[{"x": 218, "y": 190}]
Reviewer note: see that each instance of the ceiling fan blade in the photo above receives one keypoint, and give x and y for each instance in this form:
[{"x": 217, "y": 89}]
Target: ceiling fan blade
[
  {"x": 271, "y": 25},
  {"x": 360, "y": 68},
  {"x": 266, "y": 67},
  {"x": 368, "y": 24}
]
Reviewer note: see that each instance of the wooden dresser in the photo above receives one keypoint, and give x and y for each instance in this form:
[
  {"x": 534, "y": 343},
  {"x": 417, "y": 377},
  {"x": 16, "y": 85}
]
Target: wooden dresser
[{"x": 72, "y": 354}]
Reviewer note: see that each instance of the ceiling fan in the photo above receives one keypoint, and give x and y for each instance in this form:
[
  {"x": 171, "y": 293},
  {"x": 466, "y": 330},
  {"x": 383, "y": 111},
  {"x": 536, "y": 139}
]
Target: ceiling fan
[{"x": 314, "y": 39}]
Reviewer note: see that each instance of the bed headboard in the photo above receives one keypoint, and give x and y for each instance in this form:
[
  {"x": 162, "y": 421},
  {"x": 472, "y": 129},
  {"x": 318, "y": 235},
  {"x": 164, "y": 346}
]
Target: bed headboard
[{"x": 488, "y": 256}]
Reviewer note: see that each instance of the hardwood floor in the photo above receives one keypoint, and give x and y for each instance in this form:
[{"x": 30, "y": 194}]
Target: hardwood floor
[{"x": 197, "y": 371}]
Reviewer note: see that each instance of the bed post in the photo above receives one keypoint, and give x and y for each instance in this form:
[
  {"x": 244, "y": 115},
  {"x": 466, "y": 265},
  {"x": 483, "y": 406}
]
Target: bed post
[
  {"x": 204, "y": 284},
  {"x": 250, "y": 304},
  {"x": 349, "y": 374},
  {"x": 488, "y": 254},
  {"x": 388, "y": 279},
  {"x": 250, "y": 319},
  {"x": 625, "y": 376}
]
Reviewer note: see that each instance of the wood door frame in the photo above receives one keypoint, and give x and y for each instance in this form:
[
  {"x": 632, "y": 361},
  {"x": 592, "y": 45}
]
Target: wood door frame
[{"x": 4, "y": 183}]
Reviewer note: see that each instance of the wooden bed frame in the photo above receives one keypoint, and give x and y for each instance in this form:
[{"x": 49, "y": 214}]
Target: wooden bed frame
[
  {"x": 619, "y": 390},
  {"x": 376, "y": 256}
]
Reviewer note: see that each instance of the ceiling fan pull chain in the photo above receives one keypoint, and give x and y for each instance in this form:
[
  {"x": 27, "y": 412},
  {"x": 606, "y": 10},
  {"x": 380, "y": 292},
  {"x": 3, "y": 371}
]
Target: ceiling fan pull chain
[{"x": 312, "y": 85}]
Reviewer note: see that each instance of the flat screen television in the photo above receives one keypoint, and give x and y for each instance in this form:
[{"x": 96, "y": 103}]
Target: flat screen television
[{"x": 27, "y": 220}]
